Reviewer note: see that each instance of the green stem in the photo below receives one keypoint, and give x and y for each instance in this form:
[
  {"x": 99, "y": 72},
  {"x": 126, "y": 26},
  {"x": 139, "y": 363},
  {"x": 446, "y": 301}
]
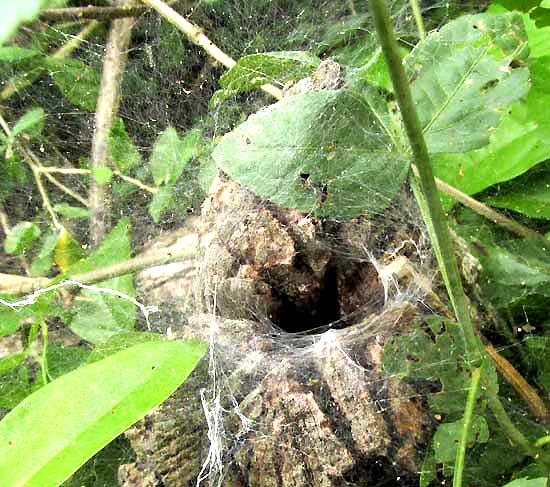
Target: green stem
[
  {"x": 427, "y": 181},
  {"x": 447, "y": 260},
  {"x": 418, "y": 19},
  {"x": 468, "y": 414}
]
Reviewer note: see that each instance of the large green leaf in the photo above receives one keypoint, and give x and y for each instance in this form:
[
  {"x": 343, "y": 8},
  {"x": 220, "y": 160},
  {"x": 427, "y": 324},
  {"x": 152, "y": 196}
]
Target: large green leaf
[
  {"x": 258, "y": 69},
  {"x": 465, "y": 75},
  {"x": 56, "y": 429},
  {"x": 525, "y": 482},
  {"x": 98, "y": 315},
  {"x": 323, "y": 151},
  {"x": 516, "y": 145}
]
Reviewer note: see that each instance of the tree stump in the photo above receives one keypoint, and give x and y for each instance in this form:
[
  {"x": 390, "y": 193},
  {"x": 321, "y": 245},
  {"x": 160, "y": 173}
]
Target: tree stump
[{"x": 297, "y": 312}]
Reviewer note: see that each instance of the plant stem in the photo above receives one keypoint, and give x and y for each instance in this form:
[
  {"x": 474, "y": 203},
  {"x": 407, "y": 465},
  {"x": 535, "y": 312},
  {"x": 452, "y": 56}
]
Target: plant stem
[
  {"x": 447, "y": 261},
  {"x": 91, "y": 12},
  {"x": 12, "y": 284},
  {"x": 44, "y": 358},
  {"x": 196, "y": 36},
  {"x": 523, "y": 388},
  {"x": 468, "y": 413},
  {"x": 427, "y": 182},
  {"x": 107, "y": 105},
  {"x": 418, "y": 18}
]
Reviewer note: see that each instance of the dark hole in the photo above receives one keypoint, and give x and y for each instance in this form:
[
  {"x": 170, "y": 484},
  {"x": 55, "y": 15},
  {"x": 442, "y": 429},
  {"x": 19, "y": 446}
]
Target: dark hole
[
  {"x": 295, "y": 317},
  {"x": 304, "y": 176}
]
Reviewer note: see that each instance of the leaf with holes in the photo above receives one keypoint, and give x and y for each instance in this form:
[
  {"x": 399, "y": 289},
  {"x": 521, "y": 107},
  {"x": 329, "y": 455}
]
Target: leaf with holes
[
  {"x": 465, "y": 75},
  {"x": 42, "y": 446},
  {"x": 322, "y": 151}
]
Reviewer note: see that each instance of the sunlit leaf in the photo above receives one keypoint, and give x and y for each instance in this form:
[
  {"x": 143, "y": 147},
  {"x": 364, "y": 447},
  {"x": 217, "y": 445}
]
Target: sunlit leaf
[
  {"x": 42, "y": 446},
  {"x": 15, "y": 13}
]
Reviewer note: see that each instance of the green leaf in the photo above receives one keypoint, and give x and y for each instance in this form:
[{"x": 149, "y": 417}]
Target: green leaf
[
  {"x": 539, "y": 38},
  {"x": 447, "y": 437},
  {"x": 121, "y": 341},
  {"x": 43, "y": 261},
  {"x": 528, "y": 194},
  {"x": 42, "y": 446},
  {"x": 171, "y": 154},
  {"x": 14, "y": 387},
  {"x": 15, "y": 13},
  {"x": 517, "y": 145},
  {"x": 31, "y": 124},
  {"x": 98, "y": 315},
  {"x": 465, "y": 75},
  {"x": 123, "y": 151},
  {"x": 515, "y": 270},
  {"x": 10, "y": 319},
  {"x": 525, "y": 482},
  {"x": 11, "y": 361},
  {"x": 256, "y": 70},
  {"x": 323, "y": 151},
  {"x": 62, "y": 360},
  {"x": 102, "y": 175},
  {"x": 162, "y": 200},
  {"x": 15, "y": 54},
  {"x": 69, "y": 211},
  {"x": 77, "y": 82},
  {"x": 21, "y": 237}
]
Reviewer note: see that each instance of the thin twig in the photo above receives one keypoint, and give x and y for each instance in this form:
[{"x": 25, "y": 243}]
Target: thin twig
[
  {"x": 75, "y": 170},
  {"x": 136, "y": 182},
  {"x": 91, "y": 12},
  {"x": 21, "y": 149},
  {"x": 107, "y": 105},
  {"x": 523, "y": 388},
  {"x": 13, "y": 85},
  {"x": 196, "y": 36},
  {"x": 55, "y": 181},
  {"x": 12, "y": 284},
  {"x": 484, "y": 210}
]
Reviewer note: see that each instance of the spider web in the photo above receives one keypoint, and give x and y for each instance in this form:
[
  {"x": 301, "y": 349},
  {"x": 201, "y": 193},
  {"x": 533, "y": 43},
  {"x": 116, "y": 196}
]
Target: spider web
[{"x": 168, "y": 82}]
